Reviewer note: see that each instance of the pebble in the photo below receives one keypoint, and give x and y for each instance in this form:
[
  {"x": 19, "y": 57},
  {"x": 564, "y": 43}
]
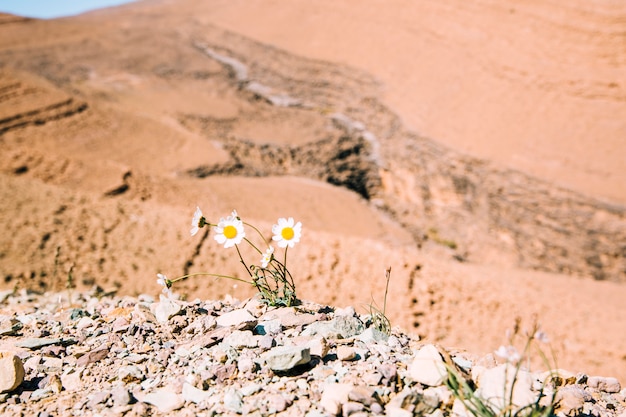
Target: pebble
[
  {"x": 195, "y": 395},
  {"x": 166, "y": 309},
  {"x": 346, "y": 353},
  {"x": 604, "y": 384},
  {"x": 112, "y": 356},
  {"x": 164, "y": 400},
  {"x": 11, "y": 371},
  {"x": 428, "y": 367},
  {"x": 284, "y": 358},
  {"x": 492, "y": 381},
  {"x": 237, "y": 318},
  {"x": 334, "y": 396}
]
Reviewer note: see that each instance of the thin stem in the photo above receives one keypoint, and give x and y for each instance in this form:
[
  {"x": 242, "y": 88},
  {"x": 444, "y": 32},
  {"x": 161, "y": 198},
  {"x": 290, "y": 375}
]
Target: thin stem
[
  {"x": 208, "y": 274},
  {"x": 242, "y": 261},
  {"x": 388, "y": 274},
  {"x": 260, "y": 234},
  {"x": 253, "y": 245},
  {"x": 285, "y": 262}
]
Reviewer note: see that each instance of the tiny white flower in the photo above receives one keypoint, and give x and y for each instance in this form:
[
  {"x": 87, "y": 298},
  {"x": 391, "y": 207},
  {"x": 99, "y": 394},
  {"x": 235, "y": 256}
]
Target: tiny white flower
[
  {"x": 166, "y": 283},
  {"x": 197, "y": 221},
  {"x": 542, "y": 337},
  {"x": 286, "y": 233},
  {"x": 509, "y": 353},
  {"x": 229, "y": 231},
  {"x": 267, "y": 257}
]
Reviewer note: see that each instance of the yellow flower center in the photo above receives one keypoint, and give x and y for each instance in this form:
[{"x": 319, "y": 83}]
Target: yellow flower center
[
  {"x": 230, "y": 232},
  {"x": 287, "y": 233}
]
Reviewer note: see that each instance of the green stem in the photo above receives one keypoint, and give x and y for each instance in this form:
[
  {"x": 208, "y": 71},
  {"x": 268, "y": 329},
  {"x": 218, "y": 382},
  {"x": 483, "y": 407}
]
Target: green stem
[
  {"x": 285, "y": 262},
  {"x": 253, "y": 245},
  {"x": 242, "y": 261},
  {"x": 209, "y": 274},
  {"x": 386, "y": 290},
  {"x": 260, "y": 234}
]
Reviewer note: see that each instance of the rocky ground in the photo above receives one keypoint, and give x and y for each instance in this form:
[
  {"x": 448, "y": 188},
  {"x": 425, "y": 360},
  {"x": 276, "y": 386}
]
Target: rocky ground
[
  {"x": 101, "y": 354},
  {"x": 115, "y": 125}
]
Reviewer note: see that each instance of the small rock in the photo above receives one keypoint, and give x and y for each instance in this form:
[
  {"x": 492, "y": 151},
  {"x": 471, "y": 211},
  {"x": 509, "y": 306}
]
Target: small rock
[
  {"x": 570, "y": 400},
  {"x": 270, "y": 327},
  {"x": 334, "y": 396},
  {"x": 350, "y": 408},
  {"x": 241, "y": 319},
  {"x": 345, "y": 353},
  {"x": 428, "y": 367},
  {"x": 120, "y": 396},
  {"x": 11, "y": 372},
  {"x": 266, "y": 342},
  {"x": 371, "y": 334},
  {"x": 92, "y": 357},
  {"x": 284, "y": 358},
  {"x": 85, "y": 322},
  {"x": 495, "y": 385},
  {"x": 233, "y": 400},
  {"x": 241, "y": 338},
  {"x": 363, "y": 395},
  {"x": 246, "y": 365},
  {"x": 10, "y": 327},
  {"x": 99, "y": 397},
  {"x": 38, "y": 342},
  {"x": 289, "y": 318},
  {"x": 130, "y": 373},
  {"x": 165, "y": 400},
  {"x": 606, "y": 384},
  {"x": 71, "y": 380},
  {"x": 51, "y": 364},
  {"x": 142, "y": 314},
  {"x": 348, "y": 326},
  {"x": 277, "y": 403},
  {"x": 195, "y": 395},
  {"x": 318, "y": 346},
  {"x": 166, "y": 309}
]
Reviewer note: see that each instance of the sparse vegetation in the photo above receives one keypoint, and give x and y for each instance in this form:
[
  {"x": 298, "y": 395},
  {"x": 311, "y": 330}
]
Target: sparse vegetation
[
  {"x": 506, "y": 405},
  {"x": 271, "y": 278}
]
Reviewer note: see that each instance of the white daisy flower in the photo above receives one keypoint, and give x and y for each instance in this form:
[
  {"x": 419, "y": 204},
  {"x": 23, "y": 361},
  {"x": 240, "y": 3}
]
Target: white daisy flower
[
  {"x": 286, "y": 233},
  {"x": 267, "y": 257},
  {"x": 197, "y": 221},
  {"x": 166, "y": 283},
  {"x": 229, "y": 231}
]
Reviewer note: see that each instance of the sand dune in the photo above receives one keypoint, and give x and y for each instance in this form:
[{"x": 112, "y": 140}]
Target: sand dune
[{"x": 474, "y": 148}]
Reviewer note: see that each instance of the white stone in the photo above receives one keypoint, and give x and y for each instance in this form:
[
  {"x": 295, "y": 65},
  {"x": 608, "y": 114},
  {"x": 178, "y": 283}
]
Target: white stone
[
  {"x": 345, "y": 353},
  {"x": 165, "y": 400},
  {"x": 166, "y": 309},
  {"x": 334, "y": 396},
  {"x": 195, "y": 395},
  {"x": 491, "y": 386},
  {"x": 318, "y": 347},
  {"x": 242, "y": 338},
  {"x": 71, "y": 381},
  {"x": 606, "y": 384},
  {"x": 11, "y": 372},
  {"x": 235, "y": 318},
  {"x": 284, "y": 358},
  {"x": 428, "y": 367}
]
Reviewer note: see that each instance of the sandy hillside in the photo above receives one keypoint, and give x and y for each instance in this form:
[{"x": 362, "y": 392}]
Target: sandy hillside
[{"x": 484, "y": 167}]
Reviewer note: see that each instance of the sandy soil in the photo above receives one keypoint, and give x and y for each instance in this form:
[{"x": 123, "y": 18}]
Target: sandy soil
[{"x": 484, "y": 164}]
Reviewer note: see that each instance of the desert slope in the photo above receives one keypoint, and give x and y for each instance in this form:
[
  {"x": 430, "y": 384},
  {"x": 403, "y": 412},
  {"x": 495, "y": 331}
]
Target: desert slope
[
  {"x": 117, "y": 123},
  {"x": 539, "y": 87}
]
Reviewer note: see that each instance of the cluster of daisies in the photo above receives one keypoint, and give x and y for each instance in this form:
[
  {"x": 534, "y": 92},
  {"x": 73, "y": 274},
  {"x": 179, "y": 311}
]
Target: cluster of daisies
[{"x": 230, "y": 231}]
